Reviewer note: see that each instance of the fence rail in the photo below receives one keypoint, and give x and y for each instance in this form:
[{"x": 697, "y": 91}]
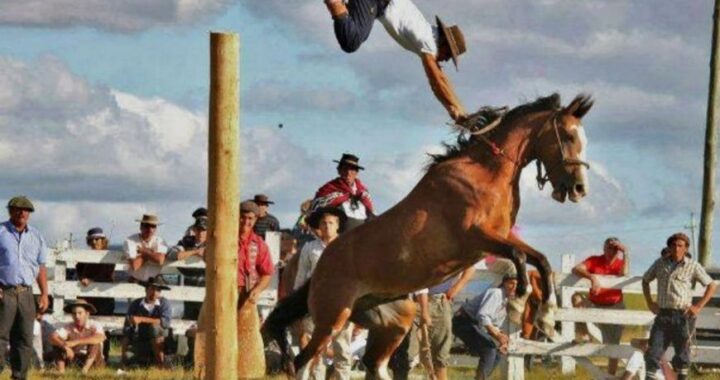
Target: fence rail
[{"x": 63, "y": 290}]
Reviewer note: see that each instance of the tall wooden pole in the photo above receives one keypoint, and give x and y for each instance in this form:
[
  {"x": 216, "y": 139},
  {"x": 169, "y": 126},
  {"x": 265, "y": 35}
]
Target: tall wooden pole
[
  {"x": 708, "y": 200},
  {"x": 223, "y": 200}
]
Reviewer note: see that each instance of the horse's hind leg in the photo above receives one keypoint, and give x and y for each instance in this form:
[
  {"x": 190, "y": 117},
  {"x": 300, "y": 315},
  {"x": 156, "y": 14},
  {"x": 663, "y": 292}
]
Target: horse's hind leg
[{"x": 384, "y": 337}]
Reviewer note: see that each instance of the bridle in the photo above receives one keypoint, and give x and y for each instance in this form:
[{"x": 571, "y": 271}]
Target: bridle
[{"x": 542, "y": 179}]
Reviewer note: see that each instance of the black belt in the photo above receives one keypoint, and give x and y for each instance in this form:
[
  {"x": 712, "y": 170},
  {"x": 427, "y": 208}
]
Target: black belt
[{"x": 18, "y": 288}]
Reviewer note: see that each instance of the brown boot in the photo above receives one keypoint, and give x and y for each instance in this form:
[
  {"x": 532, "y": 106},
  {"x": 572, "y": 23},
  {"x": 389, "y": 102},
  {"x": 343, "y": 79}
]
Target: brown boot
[{"x": 337, "y": 8}]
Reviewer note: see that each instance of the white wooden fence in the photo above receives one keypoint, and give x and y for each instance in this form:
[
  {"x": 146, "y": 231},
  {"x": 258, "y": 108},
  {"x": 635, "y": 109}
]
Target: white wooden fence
[
  {"x": 562, "y": 345},
  {"x": 572, "y": 353},
  {"x": 63, "y": 290}
]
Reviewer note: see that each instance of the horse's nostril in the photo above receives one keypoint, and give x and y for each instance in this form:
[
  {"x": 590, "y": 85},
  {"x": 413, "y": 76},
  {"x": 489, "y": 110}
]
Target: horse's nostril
[{"x": 580, "y": 188}]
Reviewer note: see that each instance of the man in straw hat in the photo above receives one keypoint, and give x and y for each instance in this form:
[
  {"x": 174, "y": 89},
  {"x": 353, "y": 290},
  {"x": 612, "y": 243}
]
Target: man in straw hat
[
  {"x": 147, "y": 324},
  {"x": 145, "y": 250},
  {"x": 80, "y": 341},
  {"x": 408, "y": 27},
  {"x": 23, "y": 253},
  {"x": 346, "y": 192}
]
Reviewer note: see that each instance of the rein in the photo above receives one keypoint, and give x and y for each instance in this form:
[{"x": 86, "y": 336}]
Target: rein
[{"x": 541, "y": 178}]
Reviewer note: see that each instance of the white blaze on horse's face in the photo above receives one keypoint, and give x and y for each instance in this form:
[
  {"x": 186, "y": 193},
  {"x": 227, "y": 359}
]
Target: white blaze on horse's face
[{"x": 580, "y": 188}]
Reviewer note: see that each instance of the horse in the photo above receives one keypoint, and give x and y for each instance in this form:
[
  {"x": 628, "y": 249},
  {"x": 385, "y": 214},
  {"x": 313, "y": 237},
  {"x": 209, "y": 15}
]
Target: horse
[{"x": 462, "y": 209}]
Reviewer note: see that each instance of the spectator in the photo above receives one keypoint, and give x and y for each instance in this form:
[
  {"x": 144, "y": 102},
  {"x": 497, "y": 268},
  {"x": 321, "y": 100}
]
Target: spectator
[
  {"x": 80, "y": 341},
  {"x": 436, "y": 313},
  {"x": 24, "y": 253},
  {"x": 145, "y": 250},
  {"x": 328, "y": 222},
  {"x": 147, "y": 324},
  {"x": 478, "y": 323},
  {"x": 199, "y": 213},
  {"x": 192, "y": 245},
  {"x": 255, "y": 269},
  {"x": 265, "y": 221},
  {"x": 302, "y": 232},
  {"x": 42, "y": 331},
  {"x": 676, "y": 314},
  {"x": 615, "y": 261},
  {"x": 88, "y": 273},
  {"x": 346, "y": 192}
]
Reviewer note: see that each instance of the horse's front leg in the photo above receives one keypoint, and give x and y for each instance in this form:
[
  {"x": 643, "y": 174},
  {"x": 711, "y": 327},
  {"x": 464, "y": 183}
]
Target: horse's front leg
[{"x": 518, "y": 252}]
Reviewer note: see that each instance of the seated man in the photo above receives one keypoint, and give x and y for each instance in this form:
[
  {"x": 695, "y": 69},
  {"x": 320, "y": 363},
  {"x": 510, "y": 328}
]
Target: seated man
[
  {"x": 189, "y": 246},
  {"x": 80, "y": 341},
  {"x": 147, "y": 324},
  {"x": 478, "y": 322}
]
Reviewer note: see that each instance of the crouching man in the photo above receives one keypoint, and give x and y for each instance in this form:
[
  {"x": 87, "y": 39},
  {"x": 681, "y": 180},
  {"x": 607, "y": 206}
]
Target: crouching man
[
  {"x": 479, "y": 321},
  {"x": 80, "y": 341},
  {"x": 147, "y": 325}
]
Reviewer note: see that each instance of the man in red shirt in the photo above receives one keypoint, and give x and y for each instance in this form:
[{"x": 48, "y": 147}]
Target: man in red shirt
[
  {"x": 613, "y": 262},
  {"x": 255, "y": 267}
]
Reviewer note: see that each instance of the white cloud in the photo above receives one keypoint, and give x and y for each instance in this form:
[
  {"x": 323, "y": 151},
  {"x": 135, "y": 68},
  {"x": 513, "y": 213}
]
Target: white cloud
[{"x": 117, "y": 16}]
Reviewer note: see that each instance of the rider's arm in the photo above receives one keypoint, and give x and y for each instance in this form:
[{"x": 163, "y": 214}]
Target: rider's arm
[{"x": 441, "y": 86}]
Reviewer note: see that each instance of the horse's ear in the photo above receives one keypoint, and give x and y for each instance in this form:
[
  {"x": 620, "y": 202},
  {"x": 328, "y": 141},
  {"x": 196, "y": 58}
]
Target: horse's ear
[{"x": 580, "y": 105}]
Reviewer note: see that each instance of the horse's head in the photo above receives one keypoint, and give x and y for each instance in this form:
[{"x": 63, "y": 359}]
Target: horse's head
[{"x": 561, "y": 147}]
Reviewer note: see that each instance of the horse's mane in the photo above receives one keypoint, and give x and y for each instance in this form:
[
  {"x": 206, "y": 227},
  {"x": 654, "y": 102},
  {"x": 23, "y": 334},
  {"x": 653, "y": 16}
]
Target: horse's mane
[{"x": 489, "y": 114}]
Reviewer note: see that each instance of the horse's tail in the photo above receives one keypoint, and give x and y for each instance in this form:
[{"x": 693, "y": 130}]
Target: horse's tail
[{"x": 287, "y": 311}]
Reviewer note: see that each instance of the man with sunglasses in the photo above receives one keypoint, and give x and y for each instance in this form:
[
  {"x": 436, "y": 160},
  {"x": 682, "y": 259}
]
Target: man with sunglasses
[
  {"x": 145, "y": 251},
  {"x": 346, "y": 192}
]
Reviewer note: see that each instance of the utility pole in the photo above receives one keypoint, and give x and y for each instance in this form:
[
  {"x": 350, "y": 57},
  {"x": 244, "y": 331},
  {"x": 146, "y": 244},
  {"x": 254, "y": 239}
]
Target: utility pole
[
  {"x": 692, "y": 227},
  {"x": 708, "y": 199}
]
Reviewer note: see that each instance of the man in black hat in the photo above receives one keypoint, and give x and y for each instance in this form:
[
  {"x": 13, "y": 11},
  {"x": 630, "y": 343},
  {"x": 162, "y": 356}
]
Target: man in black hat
[
  {"x": 408, "y": 27},
  {"x": 147, "y": 324},
  {"x": 265, "y": 221},
  {"x": 198, "y": 214},
  {"x": 346, "y": 192},
  {"x": 23, "y": 254},
  {"x": 80, "y": 341}
]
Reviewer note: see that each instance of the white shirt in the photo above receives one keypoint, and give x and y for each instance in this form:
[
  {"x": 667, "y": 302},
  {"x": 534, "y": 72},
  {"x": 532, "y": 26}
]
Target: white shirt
[
  {"x": 149, "y": 268},
  {"x": 307, "y": 261},
  {"x": 355, "y": 210},
  {"x": 150, "y": 306},
  {"x": 408, "y": 27},
  {"x": 70, "y": 332}
]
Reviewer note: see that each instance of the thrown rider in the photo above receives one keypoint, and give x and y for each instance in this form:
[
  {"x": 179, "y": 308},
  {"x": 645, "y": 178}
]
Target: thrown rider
[{"x": 354, "y": 19}]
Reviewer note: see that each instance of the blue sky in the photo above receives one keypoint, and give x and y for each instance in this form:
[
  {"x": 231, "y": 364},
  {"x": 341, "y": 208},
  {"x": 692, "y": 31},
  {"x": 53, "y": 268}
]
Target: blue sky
[{"x": 103, "y": 108}]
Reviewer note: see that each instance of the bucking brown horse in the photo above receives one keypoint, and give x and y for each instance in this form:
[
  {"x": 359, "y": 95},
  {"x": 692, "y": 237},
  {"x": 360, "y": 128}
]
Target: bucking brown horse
[{"x": 462, "y": 209}]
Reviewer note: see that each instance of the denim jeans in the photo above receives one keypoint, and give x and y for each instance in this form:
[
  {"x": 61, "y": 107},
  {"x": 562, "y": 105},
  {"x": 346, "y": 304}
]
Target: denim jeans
[
  {"x": 670, "y": 327},
  {"x": 479, "y": 343},
  {"x": 353, "y": 29}
]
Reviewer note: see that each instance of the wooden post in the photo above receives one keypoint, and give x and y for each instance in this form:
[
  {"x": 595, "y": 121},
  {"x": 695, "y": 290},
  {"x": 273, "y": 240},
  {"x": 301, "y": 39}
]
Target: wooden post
[
  {"x": 221, "y": 351},
  {"x": 708, "y": 200},
  {"x": 567, "y": 363}
]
